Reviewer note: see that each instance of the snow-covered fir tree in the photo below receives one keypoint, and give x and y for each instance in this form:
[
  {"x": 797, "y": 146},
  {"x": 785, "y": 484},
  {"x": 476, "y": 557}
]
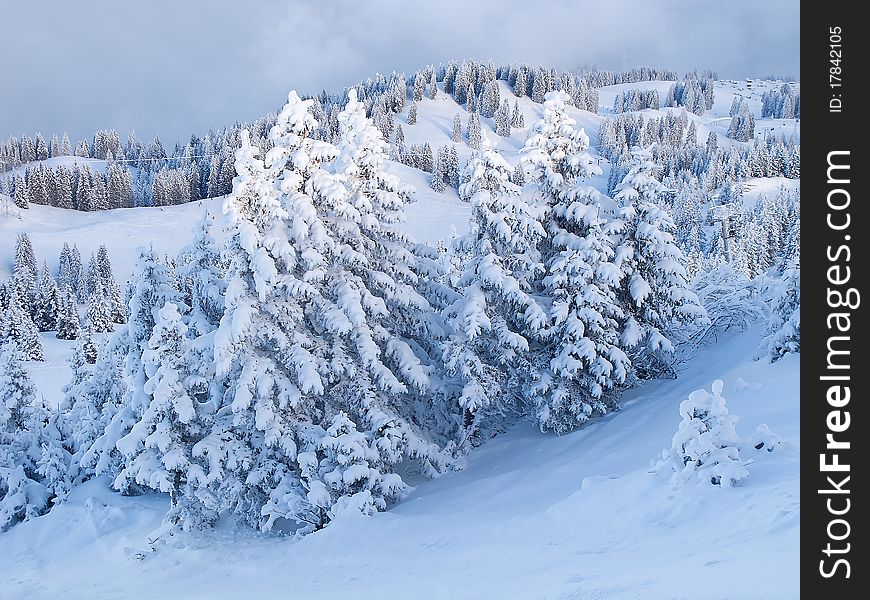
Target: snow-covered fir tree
[
  {"x": 116, "y": 386},
  {"x": 68, "y": 324},
  {"x": 655, "y": 294},
  {"x": 157, "y": 451},
  {"x": 473, "y": 130},
  {"x": 22, "y": 494},
  {"x": 584, "y": 356},
  {"x": 503, "y": 120},
  {"x": 784, "y": 328},
  {"x": 342, "y": 473},
  {"x": 47, "y": 302},
  {"x": 706, "y": 447},
  {"x": 99, "y": 316},
  {"x": 18, "y": 328},
  {"x": 497, "y": 314}
]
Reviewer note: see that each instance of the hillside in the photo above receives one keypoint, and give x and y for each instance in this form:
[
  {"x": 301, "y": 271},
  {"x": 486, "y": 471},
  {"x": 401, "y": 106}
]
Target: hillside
[{"x": 531, "y": 514}]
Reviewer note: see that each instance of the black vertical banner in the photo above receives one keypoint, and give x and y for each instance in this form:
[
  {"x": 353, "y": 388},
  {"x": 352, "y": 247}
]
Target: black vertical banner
[{"x": 834, "y": 265}]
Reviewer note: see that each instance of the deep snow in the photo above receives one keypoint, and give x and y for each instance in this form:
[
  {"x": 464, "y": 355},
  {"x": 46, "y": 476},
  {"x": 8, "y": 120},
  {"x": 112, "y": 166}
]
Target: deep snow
[{"x": 531, "y": 516}]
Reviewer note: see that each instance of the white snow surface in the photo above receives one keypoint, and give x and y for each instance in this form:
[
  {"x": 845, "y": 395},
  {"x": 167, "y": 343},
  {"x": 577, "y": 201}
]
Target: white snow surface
[{"x": 531, "y": 516}]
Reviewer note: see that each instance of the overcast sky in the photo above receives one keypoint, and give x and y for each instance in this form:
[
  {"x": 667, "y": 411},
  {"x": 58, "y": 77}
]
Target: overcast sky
[{"x": 173, "y": 67}]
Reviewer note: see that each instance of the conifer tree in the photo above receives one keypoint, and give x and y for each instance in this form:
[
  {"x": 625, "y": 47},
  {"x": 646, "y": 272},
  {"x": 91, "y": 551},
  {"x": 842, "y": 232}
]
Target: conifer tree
[
  {"x": 655, "y": 293},
  {"x": 474, "y": 131},
  {"x": 19, "y": 329},
  {"x": 48, "y": 302},
  {"x": 502, "y": 120},
  {"x": 22, "y": 495},
  {"x": 68, "y": 325}
]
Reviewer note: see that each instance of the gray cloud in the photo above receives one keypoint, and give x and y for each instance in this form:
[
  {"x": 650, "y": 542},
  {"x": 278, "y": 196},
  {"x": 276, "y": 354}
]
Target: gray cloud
[{"x": 171, "y": 68}]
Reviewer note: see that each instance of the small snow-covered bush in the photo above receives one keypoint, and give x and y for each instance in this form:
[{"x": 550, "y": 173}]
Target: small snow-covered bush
[{"x": 706, "y": 445}]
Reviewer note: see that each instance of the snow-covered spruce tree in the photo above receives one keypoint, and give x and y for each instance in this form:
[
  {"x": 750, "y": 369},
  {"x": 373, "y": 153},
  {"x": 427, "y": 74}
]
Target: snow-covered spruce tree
[
  {"x": 99, "y": 318},
  {"x": 457, "y": 128},
  {"x": 47, "y": 302},
  {"x": 654, "y": 293},
  {"x": 583, "y": 358},
  {"x": 307, "y": 325},
  {"x": 18, "y": 328},
  {"x": 80, "y": 422},
  {"x": 497, "y": 315},
  {"x": 116, "y": 386},
  {"x": 784, "y": 328},
  {"x": 503, "y": 119},
  {"x": 474, "y": 130},
  {"x": 200, "y": 277},
  {"x": 342, "y": 473},
  {"x": 22, "y": 495},
  {"x": 706, "y": 445},
  {"x": 436, "y": 181},
  {"x": 157, "y": 451},
  {"x": 24, "y": 267},
  {"x": 517, "y": 119},
  {"x": 68, "y": 324},
  {"x": 112, "y": 291}
]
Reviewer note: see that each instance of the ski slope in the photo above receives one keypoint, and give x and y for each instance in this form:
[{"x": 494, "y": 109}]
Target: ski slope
[{"x": 531, "y": 516}]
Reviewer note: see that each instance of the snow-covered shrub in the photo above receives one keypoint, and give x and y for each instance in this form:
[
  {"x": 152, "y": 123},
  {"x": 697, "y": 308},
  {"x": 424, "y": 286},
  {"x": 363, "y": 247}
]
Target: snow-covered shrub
[
  {"x": 706, "y": 446},
  {"x": 764, "y": 439},
  {"x": 731, "y": 299}
]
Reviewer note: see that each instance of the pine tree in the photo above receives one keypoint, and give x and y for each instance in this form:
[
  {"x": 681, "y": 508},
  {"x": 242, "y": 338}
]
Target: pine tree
[
  {"x": 490, "y": 100},
  {"x": 497, "y": 317},
  {"x": 520, "y": 83},
  {"x": 75, "y": 270},
  {"x": 585, "y": 359},
  {"x": 65, "y": 145},
  {"x": 157, "y": 451},
  {"x": 457, "y": 128},
  {"x": 342, "y": 474},
  {"x": 784, "y": 327},
  {"x": 116, "y": 388},
  {"x": 412, "y": 113},
  {"x": 436, "y": 181},
  {"x": 474, "y": 131},
  {"x": 48, "y": 302},
  {"x": 20, "y": 330},
  {"x": 555, "y": 148},
  {"x": 64, "y": 188},
  {"x": 502, "y": 120},
  {"x": 517, "y": 119},
  {"x": 68, "y": 326},
  {"x": 22, "y": 495},
  {"x": 41, "y": 147},
  {"x": 433, "y": 86},
  {"x": 399, "y": 137},
  {"x": 655, "y": 293},
  {"x": 200, "y": 275},
  {"x": 22, "y": 196},
  {"x": 24, "y": 264},
  {"x": 99, "y": 317}
]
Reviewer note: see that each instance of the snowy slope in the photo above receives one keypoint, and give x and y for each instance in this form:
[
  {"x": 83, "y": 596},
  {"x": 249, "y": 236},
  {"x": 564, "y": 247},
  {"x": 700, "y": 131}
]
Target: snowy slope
[{"x": 532, "y": 516}]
